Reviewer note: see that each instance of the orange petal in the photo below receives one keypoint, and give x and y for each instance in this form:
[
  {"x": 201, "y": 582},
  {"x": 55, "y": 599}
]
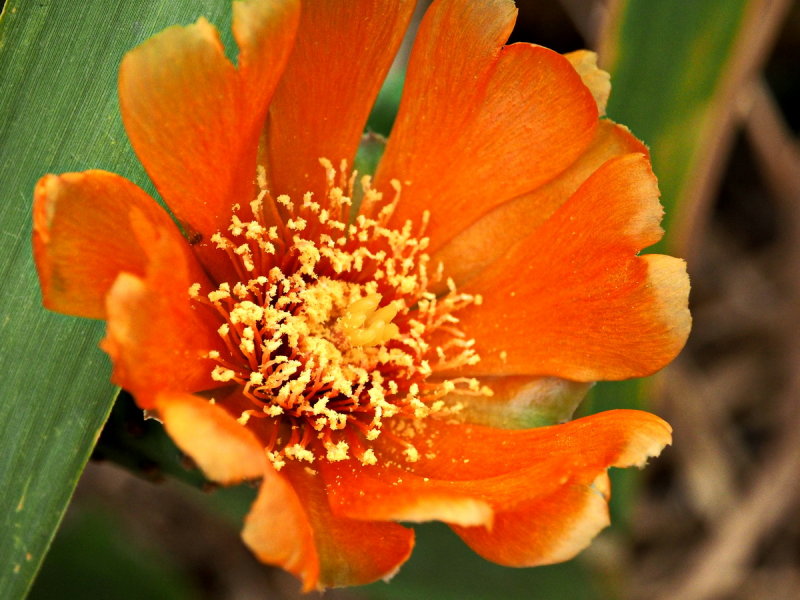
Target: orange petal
[
  {"x": 543, "y": 530},
  {"x": 506, "y": 121},
  {"x": 83, "y": 238},
  {"x": 276, "y": 528},
  {"x": 369, "y": 492},
  {"x": 339, "y": 61},
  {"x": 520, "y": 402},
  {"x": 265, "y": 31},
  {"x": 491, "y": 236},
  {"x": 569, "y": 506},
  {"x": 278, "y": 531},
  {"x": 454, "y": 53},
  {"x": 179, "y": 97},
  {"x": 594, "y": 78},
  {"x": 195, "y": 121},
  {"x": 350, "y": 551},
  {"x": 156, "y": 339},
  {"x": 574, "y": 300},
  {"x": 615, "y": 438},
  {"x": 225, "y": 451},
  {"x": 546, "y": 487}
]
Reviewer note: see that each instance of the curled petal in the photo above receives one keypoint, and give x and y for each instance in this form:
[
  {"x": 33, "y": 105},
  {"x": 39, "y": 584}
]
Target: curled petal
[
  {"x": 156, "y": 339},
  {"x": 543, "y": 530},
  {"x": 560, "y": 520},
  {"x": 583, "y": 448},
  {"x": 83, "y": 237},
  {"x": 225, "y": 451},
  {"x": 491, "y": 237},
  {"x": 369, "y": 493},
  {"x": 600, "y": 311},
  {"x": 546, "y": 487},
  {"x": 349, "y": 551}
]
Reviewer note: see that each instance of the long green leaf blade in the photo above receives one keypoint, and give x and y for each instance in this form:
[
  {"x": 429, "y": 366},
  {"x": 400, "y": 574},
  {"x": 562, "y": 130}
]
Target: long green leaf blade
[
  {"x": 669, "y": 61},
  {"x": 58, "y": 112}
]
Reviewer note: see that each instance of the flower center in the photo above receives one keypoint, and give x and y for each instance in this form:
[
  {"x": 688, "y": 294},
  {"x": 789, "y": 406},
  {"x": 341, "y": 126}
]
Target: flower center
[
  {"x": 364, "y": 324},
  {"x": 327, "y": 336}
]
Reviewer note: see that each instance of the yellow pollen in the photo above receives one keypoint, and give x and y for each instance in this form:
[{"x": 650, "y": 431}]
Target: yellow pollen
[
  {"x": 368, "y": 458},
  {"x": 298, "y": 452},
  {"x": 337, "y": 452},
  {"x": 412, "y": 455},
  {"x": 222, "y": 374},
  {"x": 327, "y": 328},
  {"x": 276, "y": 458}
]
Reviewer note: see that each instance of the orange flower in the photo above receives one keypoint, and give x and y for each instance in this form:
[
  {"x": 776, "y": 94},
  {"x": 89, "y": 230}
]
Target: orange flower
[{"x": 387, "y": 366}]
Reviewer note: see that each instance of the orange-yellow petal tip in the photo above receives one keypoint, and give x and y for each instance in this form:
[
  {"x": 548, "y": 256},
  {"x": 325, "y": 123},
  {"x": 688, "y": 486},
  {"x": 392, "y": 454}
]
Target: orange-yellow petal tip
[
  {"x": 646, "y": 440},
  {"x": 277, "y": 531},
  {"x": 669, "y": 282},
  {"x": 226, "y": 452},
  {"x": 596, "y": 79}
]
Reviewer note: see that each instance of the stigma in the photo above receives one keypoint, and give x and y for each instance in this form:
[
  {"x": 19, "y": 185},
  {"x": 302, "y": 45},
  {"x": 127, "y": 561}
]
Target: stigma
[
  {"x": 327, "y": 325},
  {"x": 365, "y": 324}
]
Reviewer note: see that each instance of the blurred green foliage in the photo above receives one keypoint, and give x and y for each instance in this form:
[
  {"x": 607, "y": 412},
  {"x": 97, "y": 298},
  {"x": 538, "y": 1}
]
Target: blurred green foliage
[
  {"x": 668, "y": 63},
  {"x": 443, "y": 568},
  {"x": 96, "y": 557}
]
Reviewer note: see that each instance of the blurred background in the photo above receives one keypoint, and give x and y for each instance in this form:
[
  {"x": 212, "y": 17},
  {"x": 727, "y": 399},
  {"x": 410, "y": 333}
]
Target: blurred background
[{"x": 713, "y": 87}]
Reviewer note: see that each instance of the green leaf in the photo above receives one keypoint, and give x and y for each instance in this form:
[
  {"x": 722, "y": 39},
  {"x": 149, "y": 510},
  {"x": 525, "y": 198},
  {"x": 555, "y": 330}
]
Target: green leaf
[
  {"x": 369, "y": 154},
  {"x": 669, "y": 61},
  {"x": 58, "y": 112},
  {"x": 384, "y": 111}
]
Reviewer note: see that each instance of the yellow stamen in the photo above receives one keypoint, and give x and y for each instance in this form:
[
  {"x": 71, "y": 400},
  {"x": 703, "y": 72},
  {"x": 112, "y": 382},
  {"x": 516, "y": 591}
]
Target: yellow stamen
[{"x": 327, "y": 334}]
